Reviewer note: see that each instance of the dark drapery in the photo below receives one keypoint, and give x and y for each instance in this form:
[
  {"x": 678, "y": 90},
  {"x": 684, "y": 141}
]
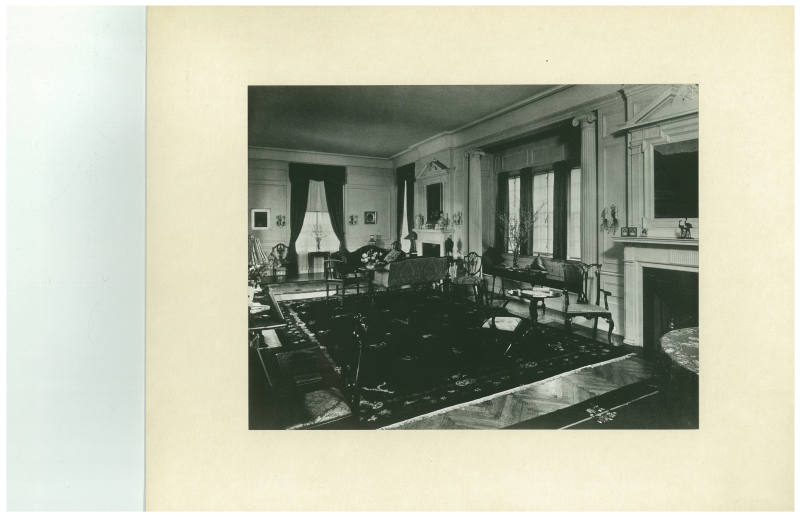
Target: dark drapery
[
  {"x": 334, "y": 197},
  {"x": 560, "y": 208},
  {"x": 526, "y": 208},
  {"x": 405, "y": 179},
  {"x": 501, "y": 210},
  {"x": 299, "y": 176}
]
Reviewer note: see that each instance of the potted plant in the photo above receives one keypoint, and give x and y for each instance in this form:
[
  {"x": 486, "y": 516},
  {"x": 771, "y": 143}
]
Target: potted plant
[{"x": 517, "y": 229}]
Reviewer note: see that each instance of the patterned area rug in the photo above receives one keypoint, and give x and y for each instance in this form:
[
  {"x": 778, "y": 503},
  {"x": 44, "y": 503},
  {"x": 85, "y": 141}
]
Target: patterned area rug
[{"x": 426, "y": 352}]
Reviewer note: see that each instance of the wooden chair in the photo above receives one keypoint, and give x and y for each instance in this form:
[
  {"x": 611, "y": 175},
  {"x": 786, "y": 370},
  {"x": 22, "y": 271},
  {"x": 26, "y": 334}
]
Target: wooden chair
[
  {"x": 473, "y": 278},
  {"x": 340, "y": 277},
  {"x": 576, "y": 279},
  {"x": 280, "y": 254}
]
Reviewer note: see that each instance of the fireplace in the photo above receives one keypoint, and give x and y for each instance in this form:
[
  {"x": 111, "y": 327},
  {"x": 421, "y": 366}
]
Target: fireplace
[
  {"x": 431, "y": 242},
  {"x": 431, "y": 250},
  {"x": 642, "y": 255},
  {"x": 670, "y": 301}
]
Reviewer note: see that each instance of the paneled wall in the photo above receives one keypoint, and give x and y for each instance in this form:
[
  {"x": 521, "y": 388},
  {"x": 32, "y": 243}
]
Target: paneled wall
[{"x": 369, "y": 187}]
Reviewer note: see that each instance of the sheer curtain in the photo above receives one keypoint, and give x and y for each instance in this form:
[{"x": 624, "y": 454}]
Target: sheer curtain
[
  {"x": 405, "y": 244},
  {"x": 317, "y": 223}
]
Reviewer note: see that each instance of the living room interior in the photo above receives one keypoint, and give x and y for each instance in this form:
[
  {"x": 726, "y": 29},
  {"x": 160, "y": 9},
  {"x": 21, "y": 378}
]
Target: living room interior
[{"x": 473, "y": 257}]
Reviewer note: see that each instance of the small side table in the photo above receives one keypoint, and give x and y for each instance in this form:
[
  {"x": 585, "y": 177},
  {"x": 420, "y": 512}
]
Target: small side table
[
  {"x": 316, "y": 253},
  {"x": 534, "y": 296}
]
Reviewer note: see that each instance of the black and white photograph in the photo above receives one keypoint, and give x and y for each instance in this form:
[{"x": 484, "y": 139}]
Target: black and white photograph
[{"x": 534, "y": 266}]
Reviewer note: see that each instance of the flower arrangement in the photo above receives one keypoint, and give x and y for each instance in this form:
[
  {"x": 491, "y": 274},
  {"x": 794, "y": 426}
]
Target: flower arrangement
[{"x": 370, "y": 257}]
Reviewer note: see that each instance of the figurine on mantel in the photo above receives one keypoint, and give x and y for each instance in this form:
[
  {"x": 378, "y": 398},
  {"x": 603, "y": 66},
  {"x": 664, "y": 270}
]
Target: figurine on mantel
[{"x": 686, "y": 228}]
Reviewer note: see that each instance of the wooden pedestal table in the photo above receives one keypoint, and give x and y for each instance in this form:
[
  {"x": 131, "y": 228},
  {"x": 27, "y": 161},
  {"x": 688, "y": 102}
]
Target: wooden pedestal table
[{"x": 534, "y": 296}]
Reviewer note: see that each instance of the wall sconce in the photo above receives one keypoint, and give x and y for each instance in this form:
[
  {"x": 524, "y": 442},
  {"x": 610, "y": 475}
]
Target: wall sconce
[
  {"x": 353, "y": 219},
  {"x": 457, "y": 218},
  {"x": 280, "y": 221}
]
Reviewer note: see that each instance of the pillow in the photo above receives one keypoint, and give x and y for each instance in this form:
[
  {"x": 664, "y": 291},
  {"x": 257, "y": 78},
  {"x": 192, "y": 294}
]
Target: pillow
[{"x": 393, "y": 255}]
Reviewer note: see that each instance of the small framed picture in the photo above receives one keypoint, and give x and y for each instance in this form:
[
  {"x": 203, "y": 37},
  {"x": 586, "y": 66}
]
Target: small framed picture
[
  {"x": 259, "y": 219},
  {"x": 370, "y": 217},
  {"x": 632, "y": 231},
  {"x": 623, "y": 231}
]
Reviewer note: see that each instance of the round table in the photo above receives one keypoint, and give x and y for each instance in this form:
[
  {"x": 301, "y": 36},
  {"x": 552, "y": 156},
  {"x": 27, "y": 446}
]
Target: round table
[
  {"x": 681, "y": 368},
  {"x": 682, "y": 346},
  {"x": 534, "y": 295}
]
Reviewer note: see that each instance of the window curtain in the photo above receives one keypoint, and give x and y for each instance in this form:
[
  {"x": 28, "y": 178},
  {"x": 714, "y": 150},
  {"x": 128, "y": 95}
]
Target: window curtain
[
  {"x": 526, "y": 208},
  {"x": 501, "y": 210},
  {"x": 561, "y": 172},
  {"x": 299, "y": 177},
  {"x": 405, "y": 183}
]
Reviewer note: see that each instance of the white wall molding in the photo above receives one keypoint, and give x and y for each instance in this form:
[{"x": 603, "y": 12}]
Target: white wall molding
[{"x": 317, "y": 157}]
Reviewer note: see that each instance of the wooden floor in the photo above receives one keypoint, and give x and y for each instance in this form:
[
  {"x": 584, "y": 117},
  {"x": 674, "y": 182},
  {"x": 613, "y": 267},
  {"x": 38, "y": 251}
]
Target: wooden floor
[{"x": 530, "y": 401}]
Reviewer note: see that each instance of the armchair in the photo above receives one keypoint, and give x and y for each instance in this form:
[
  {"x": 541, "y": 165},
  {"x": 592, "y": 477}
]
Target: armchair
[
  {"x": 339, "y": 275},
  {"x": 576, "y": 279},
  {"x": 280, "y": 260}
]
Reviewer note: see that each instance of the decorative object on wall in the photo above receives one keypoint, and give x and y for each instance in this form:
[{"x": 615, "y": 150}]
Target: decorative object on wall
[
  {"x": 420, "y": 221},
  {"x": 518, "y": 229},
  {"x": 280, "y": 221},
  {"x": 457, "y": 218},
  {"x": 353, "y": 219},
  {"x": 259, "y": 219},
  {"x": 686, "y": 229},
  {"x": 609, "y": 225},
  {"x": 370, "y": 217}
]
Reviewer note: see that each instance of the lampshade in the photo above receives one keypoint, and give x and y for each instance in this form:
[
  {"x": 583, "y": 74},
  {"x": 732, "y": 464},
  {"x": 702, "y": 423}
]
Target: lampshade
[
  {"x": 538, "y": 264},
  {"x": 411, "y": 235}
]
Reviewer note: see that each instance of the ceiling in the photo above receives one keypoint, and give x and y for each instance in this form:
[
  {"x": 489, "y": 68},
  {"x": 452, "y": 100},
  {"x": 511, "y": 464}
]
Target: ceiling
[{"x": 376, "y": 121}]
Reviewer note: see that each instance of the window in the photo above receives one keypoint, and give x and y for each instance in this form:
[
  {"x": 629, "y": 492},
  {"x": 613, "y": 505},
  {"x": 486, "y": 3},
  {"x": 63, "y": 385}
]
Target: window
[
  {"x": 543, "y": 209},
  {"x": 405, "y": 244},
  {"x": 513, "y": 208},
  {"x": 543, "y": 206},
  {"x": 316, "y": 225},
  {"x": 574, "y": 215}
]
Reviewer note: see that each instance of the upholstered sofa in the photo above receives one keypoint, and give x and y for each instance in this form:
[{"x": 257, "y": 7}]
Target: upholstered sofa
[{"x": 413, "y": 272}]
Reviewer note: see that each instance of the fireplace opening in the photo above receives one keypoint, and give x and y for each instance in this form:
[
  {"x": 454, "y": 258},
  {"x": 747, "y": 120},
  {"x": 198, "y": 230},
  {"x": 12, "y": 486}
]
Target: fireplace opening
[
  {"x": 431, "y": 250},
  {"x": 671, "y": 301}
]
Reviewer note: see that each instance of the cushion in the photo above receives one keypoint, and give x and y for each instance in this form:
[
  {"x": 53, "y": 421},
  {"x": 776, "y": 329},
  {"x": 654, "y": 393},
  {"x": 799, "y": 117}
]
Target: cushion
[
  {"x": 502, "y": 323},
  {"x": 586, "y": 308},
  {"x": 393, "y": 255}
]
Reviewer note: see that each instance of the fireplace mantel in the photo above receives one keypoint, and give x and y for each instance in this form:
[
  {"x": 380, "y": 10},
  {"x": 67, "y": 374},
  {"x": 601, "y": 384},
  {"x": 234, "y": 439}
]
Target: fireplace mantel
[
  {"x": 651, "y": 252},
  {"x": 433, "y": 236}
]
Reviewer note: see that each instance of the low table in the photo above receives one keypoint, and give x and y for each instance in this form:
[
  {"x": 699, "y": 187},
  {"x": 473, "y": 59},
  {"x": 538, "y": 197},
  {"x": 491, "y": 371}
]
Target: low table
[
  {"x": 535, "y": 296},
  {"x": 314, "y": 254}
]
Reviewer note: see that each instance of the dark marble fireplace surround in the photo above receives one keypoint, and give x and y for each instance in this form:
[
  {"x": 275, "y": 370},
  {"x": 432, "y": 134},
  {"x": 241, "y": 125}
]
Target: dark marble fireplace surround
[
  {"x": 670, "y": 301},
  {"x": 431, "y": 250}
]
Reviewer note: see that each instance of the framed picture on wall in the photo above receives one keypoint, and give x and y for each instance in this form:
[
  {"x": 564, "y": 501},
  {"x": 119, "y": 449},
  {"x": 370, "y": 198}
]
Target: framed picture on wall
[
  {"x": 259, "y": 219},
  {"x": 370, "y": 217}
]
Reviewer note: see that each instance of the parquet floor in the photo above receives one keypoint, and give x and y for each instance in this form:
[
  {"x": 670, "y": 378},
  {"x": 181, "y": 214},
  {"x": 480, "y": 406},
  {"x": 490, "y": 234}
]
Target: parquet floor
[{"x": 527, "y": 402}]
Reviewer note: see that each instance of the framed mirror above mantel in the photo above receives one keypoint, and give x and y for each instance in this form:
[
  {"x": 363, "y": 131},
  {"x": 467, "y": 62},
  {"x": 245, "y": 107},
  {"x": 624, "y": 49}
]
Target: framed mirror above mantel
[
  {"x": 432, "y": 191},
  {"x": 663, "y": 147}
]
